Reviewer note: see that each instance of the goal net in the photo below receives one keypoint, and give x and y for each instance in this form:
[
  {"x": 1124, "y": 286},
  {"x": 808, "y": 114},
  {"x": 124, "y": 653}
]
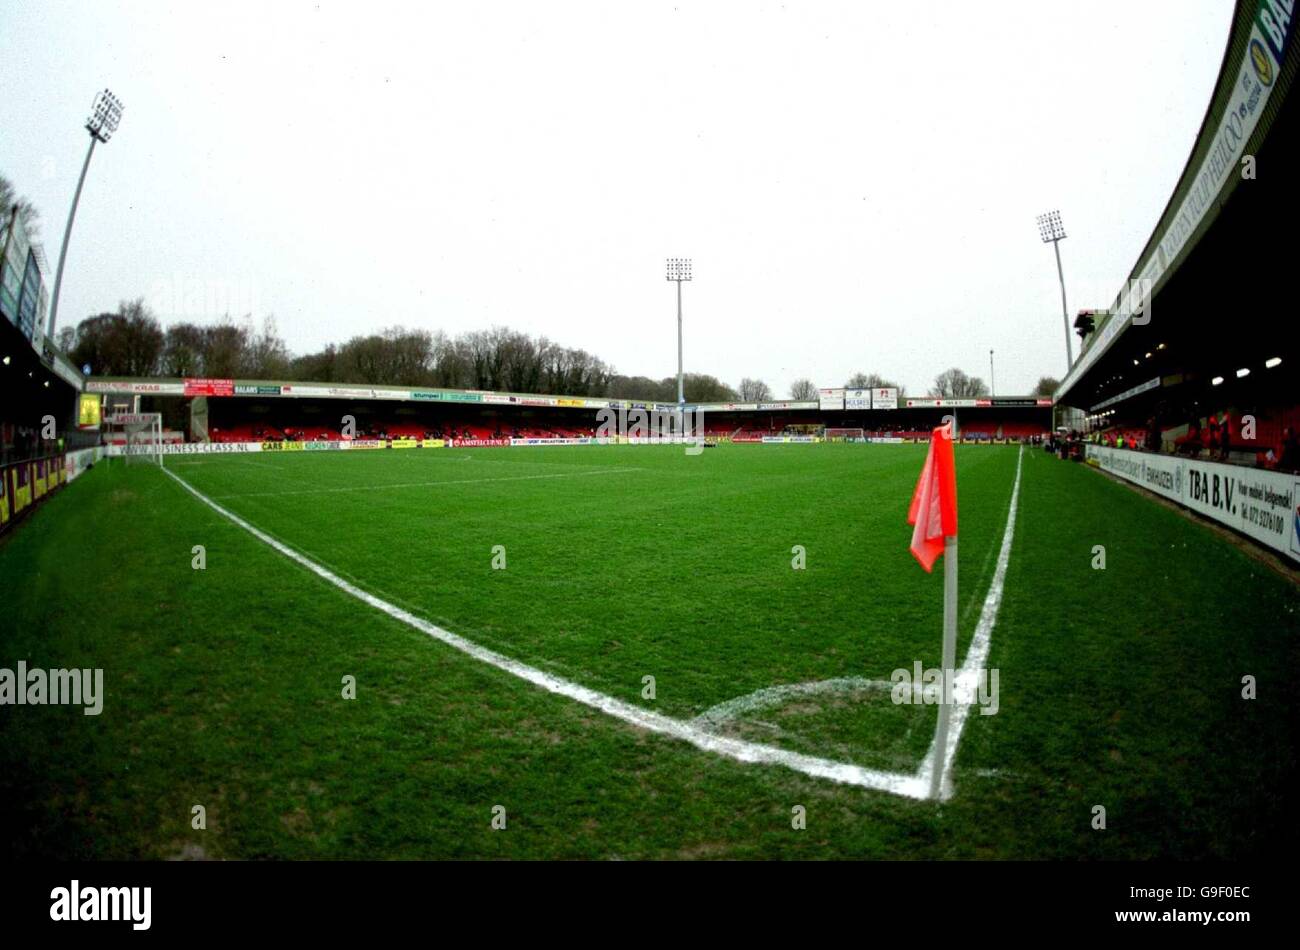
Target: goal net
[
  {"x": 138, "y": 435},
  {"x": 845, "y": 435}
]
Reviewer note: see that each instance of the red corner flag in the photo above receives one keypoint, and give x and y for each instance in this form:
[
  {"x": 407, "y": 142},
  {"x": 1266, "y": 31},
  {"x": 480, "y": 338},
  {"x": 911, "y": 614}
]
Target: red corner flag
[{"x": 934, "y": 503}]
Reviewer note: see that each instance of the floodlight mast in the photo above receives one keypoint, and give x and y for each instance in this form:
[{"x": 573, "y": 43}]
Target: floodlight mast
[
  {"x": 679, "y": 269},
  {"x": 105, "y": 114},
  {"x": 1052, "y": 231}
]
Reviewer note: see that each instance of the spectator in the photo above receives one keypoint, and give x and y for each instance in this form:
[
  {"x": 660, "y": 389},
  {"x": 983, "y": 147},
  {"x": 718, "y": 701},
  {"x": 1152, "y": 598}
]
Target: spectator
[
  {"x": 1191, "y": 442},
  {"x": 1290, "y": 455}
]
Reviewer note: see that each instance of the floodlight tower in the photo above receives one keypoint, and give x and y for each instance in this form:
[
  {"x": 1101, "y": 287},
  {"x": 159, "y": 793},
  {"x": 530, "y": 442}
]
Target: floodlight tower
[
  {"x": 679, "y": 269},
  {"x": 1051, "y": 230},
  {"x": 105, "y": 114},
  {"x": 993, "y": 389}
]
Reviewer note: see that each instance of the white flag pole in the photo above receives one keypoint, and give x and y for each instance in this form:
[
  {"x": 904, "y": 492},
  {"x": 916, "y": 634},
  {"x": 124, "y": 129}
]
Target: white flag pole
[{"x": 949, "y": 663}]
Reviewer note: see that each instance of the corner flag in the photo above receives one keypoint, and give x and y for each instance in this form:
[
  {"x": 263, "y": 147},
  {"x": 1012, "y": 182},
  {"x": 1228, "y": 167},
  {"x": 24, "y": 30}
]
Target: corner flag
[
  {"x": 934, "y": 513},
  {"x": 934, "y": 503}
]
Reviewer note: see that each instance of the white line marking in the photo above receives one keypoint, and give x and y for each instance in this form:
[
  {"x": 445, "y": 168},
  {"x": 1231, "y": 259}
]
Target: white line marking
[
  {"x": 433, "y": 484},
  {"x": 910, "y": 786},
  {"x": 737, "y": 749},
  {"x": 724, "y": 712}
]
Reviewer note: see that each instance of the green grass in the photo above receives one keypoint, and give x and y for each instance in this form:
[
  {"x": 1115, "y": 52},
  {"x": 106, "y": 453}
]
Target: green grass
[{"x": 1118, "y": 687}]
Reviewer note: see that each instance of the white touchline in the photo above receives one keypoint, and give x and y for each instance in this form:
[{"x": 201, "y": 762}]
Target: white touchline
[
  {"x": 898, "y": 783},
  {"x": 434, "y": 484}
]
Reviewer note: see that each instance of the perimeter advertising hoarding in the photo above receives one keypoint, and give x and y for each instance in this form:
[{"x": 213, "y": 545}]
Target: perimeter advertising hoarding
[
  {"x": 884, "y": 398},
  {"x": 857, "y": 399},
  {"x": 1012, "y": 402},
  {"x": 14, "y": 264},
  {"x": 135, "y": 388},
  {"x": 30, "y": 295},
  {"x": 932, "y": 402},
  {"x": 210, "y": 448},
  {"x": 1260, "y": 504},
  {"x": 208, "y": 387},
  {"x": 11, "y": 286},
  {"x": 308, "y": 391}
]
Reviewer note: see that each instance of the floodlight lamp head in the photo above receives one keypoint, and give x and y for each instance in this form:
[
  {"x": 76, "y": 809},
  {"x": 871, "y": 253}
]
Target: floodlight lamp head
[
  {"x": 1050, "y": 228},
  {"x": 679, "y": 268},
  {"x": 105, "y": 114}
]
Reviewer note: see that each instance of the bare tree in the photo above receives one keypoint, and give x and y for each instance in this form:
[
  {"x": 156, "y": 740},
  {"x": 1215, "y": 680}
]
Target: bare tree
[
  {"x": 319, "y": 367},
  {"x": 803, "y": 390},
  {"x": 955, "y": 384},
  {"x": 754, "y": 390},
  {"x": 183, "y": 347},
  {"x": 450, "y": 365},
  {"x": 700, "y": 387},
  {"x": 1047, "y": 386},
  {"x": 66, "y": 339},
  {"x": 872, "y": 381},
  {"x": 521, "y": 364},
  {"x": 643, "y": 387},
  {"x": 126, "y": 343},
  {"x": 265, "y": 355},
  {"x": 9, "y": 197},
  {"x": 223, "y": 348}
]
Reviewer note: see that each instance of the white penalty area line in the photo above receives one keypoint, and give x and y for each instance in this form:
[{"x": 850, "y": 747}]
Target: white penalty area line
[
  {"x": 429, "y": 484},
  {"x": 916, "y": 786}
]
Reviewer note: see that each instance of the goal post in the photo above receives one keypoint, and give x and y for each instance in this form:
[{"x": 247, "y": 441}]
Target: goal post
[{"x": 845, "y": 435}]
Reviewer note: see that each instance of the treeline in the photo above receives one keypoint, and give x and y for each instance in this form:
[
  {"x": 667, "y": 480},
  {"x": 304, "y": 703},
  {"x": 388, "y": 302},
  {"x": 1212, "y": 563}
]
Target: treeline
[{"x": 132, "y": 342}]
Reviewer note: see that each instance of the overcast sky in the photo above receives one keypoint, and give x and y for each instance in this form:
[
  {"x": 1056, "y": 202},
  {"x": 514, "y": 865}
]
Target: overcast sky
[{"x": 857, "y": 183}]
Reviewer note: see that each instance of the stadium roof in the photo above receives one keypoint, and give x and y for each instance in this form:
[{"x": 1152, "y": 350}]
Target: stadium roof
[
  {"x": 1215, "y": 252},
  {"x": 272, "y": 389}
]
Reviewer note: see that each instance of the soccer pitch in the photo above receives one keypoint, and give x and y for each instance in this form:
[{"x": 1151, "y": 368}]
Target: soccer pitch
[{"x": 597, "y": 568}]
